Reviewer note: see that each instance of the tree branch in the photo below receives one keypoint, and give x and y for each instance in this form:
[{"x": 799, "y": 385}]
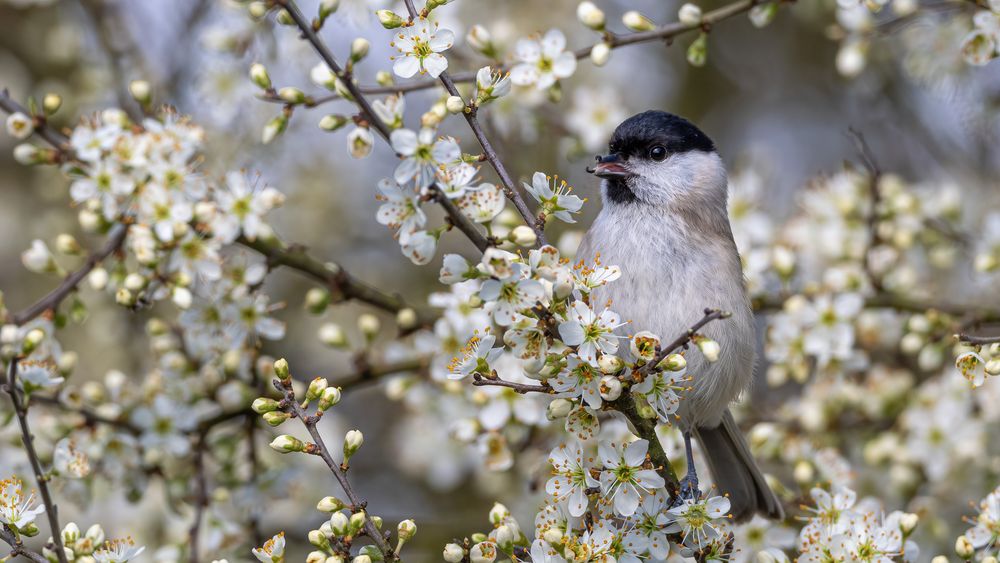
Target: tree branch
[
  {"x": 682, "y": 340},
  {"x": 115, "y": 240},
  {"x": 17, "y": 548},
  {"x": 21, "y": 411},
  {"x": 342, "y": 284},
  {"x": 320, "y": 449},
  {"x": 41, "y": 126},
  {"x": 481, "y": 381}
]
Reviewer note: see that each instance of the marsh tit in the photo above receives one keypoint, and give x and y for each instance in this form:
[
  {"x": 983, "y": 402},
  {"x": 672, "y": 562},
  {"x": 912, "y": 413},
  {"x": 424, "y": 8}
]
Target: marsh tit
[{"x": 664, "y": 222}]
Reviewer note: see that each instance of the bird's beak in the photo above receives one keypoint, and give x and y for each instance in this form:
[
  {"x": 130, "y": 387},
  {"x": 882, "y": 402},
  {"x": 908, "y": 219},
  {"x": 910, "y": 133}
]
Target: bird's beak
[{"x": 609, "y": 166}]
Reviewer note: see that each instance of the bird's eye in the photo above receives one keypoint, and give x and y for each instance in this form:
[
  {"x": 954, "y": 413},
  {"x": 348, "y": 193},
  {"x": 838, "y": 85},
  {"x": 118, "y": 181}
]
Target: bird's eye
[{"x": 658, "y": 152}]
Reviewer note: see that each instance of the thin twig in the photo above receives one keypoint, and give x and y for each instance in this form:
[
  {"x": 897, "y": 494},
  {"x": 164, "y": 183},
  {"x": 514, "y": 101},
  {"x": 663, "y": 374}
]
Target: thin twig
[
  {"x": 342, "y": 285},
  {"x": 480, "y": 381},
  {"x": 874, "y": 202},
  {"x": 17, "y": 548},
  {"x": 682, "y": 340},
  {"x": 320, "y": 449},
  {"x": 200, "y": 495},
  {"x": 41, "y": 126},
  {"x": 977, "y": 340},
  {"x": 21, "y": 411},
  {"x": 115, "y": 240}
]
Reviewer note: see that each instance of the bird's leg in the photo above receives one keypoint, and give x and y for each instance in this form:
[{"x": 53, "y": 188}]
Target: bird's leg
[{"x": 689, "y": 484}]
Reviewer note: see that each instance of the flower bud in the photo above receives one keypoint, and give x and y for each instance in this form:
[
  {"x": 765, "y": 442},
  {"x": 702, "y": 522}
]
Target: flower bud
[
  {"x": 389, "y": 19},
  {"x": 369, "y": 325},
  {"x": 276, "y": 418},
  {"x": 558, "y": 409},
  {"x": 359, "y": 48},
  {"x": 600, "y": 53},
  {"x": 124, "y": 297},
  {"x": 273, "y": 128},
  {"x": 673, "y": 362},
  {"x": 330, "y": 504},
  {"x": 67, "y": 244},
  {"x": 39, "y": 259},
  {"x": 356, "y": 522},
  {"x": 141, "y": 91},
  {"x": 453, "y": 553},
  {"x": 590, "y": 15},
  {"x": 329, "y": 398},
  {"x": 352, "y": 443},
  {"x": 803, "y": 472},
  {"x": 360, "y": 142},
  {"x": 644, "y": 345},
  {"x": 689, "y": 14},
  {"x": 286, "y": 444},
  {"x": 332, "y": 122},
  {"x": 285, "y": 18},
  {"x": 480, "y": 39},
  {"x": 19, "y": 125},
  {"x": 31, "y": 530},
  {"x": 406, "y": 318},
  {"x": 263, "y": 405},
  {"x": 504, "y": 537},
  {"x": 363, "y": 558},
  {"x": 319, "y": 540},
  {"x": 51, "y": 103},
  {"x": 611, "y": 388},
  {"x": 523, "y": 235},
  {"x": 406, "y": 530},
  {"x": 339, "y": 523},
  {"x": 637, "y": 22},
  {"x": 292, "y": 95},
  {"x": 783, "y": 260},
  {"x": 709, "y": 348},
  {"x": 908, "y": 522},
  {"x": 317, "y": 300},
  {"x": 609, "y": 364},
  {"x": 332, "y": 335},
  {"x": 281, "y": 369},
  {"x": 697, "y": 53},
  {"x": 327, "y": 8},
  {"x": 28, "y": 154},
  {"x": 454, "y": 104},
  {"x": 964, "y": 548},
  {"x": 316, "y": 388},
  {"x": 384, "y": 78}
]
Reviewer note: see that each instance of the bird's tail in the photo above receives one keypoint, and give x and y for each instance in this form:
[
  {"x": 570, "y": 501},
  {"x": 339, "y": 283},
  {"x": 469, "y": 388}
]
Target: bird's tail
[{"x": 735, "y": 471}]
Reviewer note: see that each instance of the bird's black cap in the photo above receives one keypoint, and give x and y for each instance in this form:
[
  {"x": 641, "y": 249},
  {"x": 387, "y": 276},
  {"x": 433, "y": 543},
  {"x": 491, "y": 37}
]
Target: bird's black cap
[{"x": 638, "y": 133}]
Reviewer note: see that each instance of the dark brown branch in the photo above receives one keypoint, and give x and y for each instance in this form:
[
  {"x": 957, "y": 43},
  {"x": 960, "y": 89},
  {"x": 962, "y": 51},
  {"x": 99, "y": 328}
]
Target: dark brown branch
[
  {"x": 663, "y": 33},
  {"x": 17, "y": 548},
  {"x": 320, "y": 449},
  {"x": 342, "y": 285},
  {"x": 200, "y": 495},
  {"x": 42, "y": 129},
  {"x": 874, "y": 201},
  {"x": 682, "y": 340},
  {"x": 115, "y": 240},
  {"x": 21, "y": 411},
  {"x": 480, "y": 381},
  {"x": 977, "y": 340}
]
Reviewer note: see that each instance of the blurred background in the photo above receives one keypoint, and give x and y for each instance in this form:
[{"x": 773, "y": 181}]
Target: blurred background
[{"x": 778, "y": 100}]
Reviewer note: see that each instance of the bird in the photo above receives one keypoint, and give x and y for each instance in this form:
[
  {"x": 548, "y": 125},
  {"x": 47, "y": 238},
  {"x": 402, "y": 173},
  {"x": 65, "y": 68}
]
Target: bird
[{"x": 664, "y": 223}]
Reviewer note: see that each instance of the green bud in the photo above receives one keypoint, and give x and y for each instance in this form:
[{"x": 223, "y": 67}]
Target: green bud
[
  {"x": 330, "y": 397},
  {"x": 51, "y": 103},
  {"x": 30, "y": 530},
  {"x": 332, "y": 122},
  {"x": 262, "y": 405},
  {"x": 259, "y": 76},
  {"x": 697, "y": 53},
  {"x": 286, "y": 444},
  {"x": 285, "y": 18},
  {"x": 384, "y": 78},
  {"x": 406, "y": 530},
  {"x": 389, "y": 19},
  {"x": 141, "y": 92},
  {"x": 318, "y": 539},
  {"x": 281, "y": 369},
  {"x": 292, "y": 95},
  {"x": 359, "y": 48},
  {"x": 316, "y": 388},
  {"x": 274, "y": 128},
  {"x": 357, "y": 522},
  {"x": 275, "y": 418},
  {"x": 352, "y": 443},
  {"x": 330, "y": 504},
  {"x": 327, "y": 7}
]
